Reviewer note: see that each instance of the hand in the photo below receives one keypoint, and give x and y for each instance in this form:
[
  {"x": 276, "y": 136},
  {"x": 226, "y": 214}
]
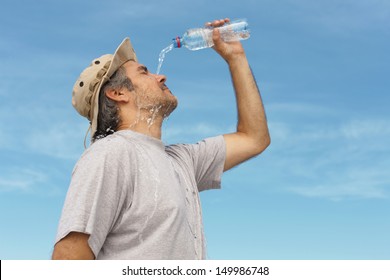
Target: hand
[{"x": 228, "y": 50}]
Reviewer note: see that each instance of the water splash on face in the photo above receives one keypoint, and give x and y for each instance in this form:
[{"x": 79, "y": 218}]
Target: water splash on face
[
  {"x": 151, "y": 107},
  {"x": 162, "y": 56}
]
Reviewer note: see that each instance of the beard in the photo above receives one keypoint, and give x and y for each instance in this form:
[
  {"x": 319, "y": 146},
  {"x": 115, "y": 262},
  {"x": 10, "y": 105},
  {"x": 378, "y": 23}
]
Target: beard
[{"x": 156, "y": 105}]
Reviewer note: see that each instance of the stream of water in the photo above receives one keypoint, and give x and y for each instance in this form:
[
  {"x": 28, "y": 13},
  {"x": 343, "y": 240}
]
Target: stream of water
[{"x": 162, "y": 56}]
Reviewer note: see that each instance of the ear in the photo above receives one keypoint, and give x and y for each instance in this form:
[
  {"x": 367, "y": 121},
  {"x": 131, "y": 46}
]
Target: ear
[{"x": 118, "y": 95}]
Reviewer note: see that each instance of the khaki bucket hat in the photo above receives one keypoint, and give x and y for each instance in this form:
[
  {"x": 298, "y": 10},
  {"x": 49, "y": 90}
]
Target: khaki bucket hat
[{"x": 85, "y": 96}]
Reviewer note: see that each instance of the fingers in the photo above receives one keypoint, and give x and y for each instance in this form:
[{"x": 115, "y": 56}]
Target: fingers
[
  {"x": 217, "y": 23},
  {"x": 216, "y": 34},
  {"x": 218, "y": 43},
  {"x": 216, "y": 37}
]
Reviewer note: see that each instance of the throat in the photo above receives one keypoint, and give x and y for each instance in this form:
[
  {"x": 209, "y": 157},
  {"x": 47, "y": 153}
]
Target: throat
[{"x": 147, "y": 121}]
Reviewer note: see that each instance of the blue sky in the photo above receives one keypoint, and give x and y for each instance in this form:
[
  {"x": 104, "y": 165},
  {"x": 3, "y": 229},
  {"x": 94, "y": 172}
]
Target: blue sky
[{"x": 321, "y": 190}]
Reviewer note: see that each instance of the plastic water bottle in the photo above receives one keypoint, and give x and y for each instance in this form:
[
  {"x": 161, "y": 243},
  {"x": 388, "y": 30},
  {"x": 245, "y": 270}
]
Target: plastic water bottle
[{"x": 200, "y": 38}]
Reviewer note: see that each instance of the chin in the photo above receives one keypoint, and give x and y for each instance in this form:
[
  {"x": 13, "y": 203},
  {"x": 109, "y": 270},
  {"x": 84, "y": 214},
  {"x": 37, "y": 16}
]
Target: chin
[{"x": 170, "y": 106}]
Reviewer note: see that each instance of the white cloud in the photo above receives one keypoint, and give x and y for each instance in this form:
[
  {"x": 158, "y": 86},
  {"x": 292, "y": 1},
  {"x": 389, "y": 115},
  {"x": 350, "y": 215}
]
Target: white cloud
[
  {"x": 365, "y": 128},
  {"x": 61, "y": 141},
  {"x": 350, "y": 181},
  {"x": 51, "y": 131},
  {"x": 21, "y": 180},
  {"x": 341, "y": 191},
  {"x": 334, "y": 161}
]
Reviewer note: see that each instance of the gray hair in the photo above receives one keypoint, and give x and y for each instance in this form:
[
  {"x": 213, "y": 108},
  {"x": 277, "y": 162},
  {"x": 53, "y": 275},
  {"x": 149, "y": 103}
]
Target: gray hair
[{"x": 108, "y": 116}]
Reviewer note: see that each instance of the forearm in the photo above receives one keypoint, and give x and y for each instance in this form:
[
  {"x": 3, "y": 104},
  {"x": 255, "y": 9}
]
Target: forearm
[
  {"x": 252, "y": 136},
  {"x": 251, "y": 115}
]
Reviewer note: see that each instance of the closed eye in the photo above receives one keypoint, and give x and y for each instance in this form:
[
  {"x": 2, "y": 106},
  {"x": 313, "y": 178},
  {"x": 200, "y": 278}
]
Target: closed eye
[{"x": 143, "y": 69}]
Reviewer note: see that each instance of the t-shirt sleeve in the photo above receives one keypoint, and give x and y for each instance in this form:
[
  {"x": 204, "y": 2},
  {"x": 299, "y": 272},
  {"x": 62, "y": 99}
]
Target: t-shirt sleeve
[
  {"x": 207, "y": 158},
  {"x": 95, "y": 197}
]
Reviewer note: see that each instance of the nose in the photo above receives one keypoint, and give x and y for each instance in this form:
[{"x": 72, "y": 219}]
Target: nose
[{"x": 161, "y": 78}]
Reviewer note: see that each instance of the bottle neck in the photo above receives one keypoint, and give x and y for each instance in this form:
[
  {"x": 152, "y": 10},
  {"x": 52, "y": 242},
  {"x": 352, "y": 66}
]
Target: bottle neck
[{"x": 177, "y": 42}]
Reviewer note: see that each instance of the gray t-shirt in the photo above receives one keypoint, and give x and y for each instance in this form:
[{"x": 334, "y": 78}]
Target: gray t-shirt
[{"x": 138, "y": 199}]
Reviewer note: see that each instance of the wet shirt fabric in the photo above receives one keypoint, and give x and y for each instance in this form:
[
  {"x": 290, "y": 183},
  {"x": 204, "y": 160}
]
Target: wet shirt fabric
[{"x": 139, "y": 199}]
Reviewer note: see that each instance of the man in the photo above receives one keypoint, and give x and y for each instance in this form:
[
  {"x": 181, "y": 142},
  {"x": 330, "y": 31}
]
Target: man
[{"x": 130, "y": 196}]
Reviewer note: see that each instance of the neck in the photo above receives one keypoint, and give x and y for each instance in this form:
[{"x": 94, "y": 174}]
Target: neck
[{"x": 145, "y": 122}]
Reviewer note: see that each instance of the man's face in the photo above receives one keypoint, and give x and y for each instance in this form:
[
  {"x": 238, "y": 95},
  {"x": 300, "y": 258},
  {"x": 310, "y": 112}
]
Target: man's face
[{"x": 151, "y": 93}]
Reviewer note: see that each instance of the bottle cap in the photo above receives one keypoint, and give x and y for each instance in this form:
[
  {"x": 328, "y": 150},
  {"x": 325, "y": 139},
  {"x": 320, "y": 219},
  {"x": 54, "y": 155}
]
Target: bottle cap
[{"x": 177, "y": 42}]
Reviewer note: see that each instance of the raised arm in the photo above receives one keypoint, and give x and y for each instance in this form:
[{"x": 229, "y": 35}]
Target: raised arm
[{"x": 252, "y": 136}]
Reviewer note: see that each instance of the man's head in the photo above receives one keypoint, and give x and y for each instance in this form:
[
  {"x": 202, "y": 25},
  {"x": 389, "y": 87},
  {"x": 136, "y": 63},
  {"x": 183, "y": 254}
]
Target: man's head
[
  {"x": 114, "y": 80},
  {"x": 133, "y": 96}
]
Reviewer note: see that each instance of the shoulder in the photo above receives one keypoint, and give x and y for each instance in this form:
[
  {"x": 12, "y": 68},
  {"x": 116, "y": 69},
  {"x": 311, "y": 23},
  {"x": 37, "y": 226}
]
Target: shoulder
[
  {"x": 107, "y": 151},
  {"x": 113, "y": 143}
]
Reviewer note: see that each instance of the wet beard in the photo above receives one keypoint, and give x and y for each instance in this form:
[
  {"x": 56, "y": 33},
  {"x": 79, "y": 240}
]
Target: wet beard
[{"x": 150, "y": 108}]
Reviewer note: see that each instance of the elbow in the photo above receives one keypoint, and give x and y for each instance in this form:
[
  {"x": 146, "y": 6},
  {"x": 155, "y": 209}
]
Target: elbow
[
  {"x": 262, "y": 143},
  {"x": 267, "y": 142}
]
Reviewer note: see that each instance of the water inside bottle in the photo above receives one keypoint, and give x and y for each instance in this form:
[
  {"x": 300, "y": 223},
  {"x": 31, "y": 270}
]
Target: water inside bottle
[{"x": 162, "y": 56}]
